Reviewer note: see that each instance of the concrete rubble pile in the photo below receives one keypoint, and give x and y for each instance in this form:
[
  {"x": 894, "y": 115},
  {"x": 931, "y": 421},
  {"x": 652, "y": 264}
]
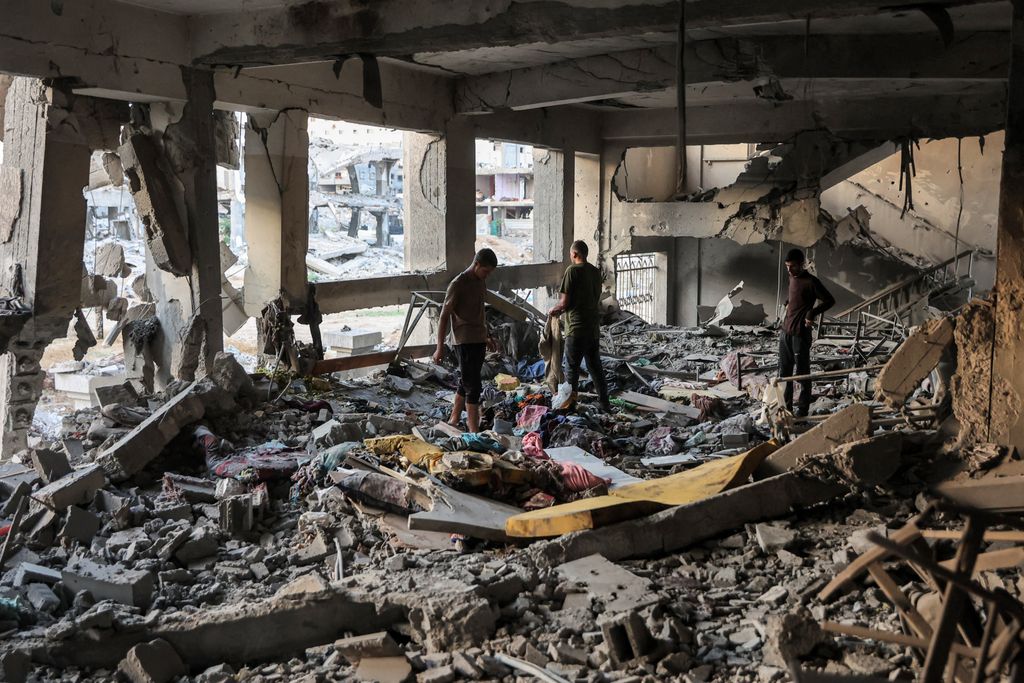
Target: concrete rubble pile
[{"x": 271, "y": 526}]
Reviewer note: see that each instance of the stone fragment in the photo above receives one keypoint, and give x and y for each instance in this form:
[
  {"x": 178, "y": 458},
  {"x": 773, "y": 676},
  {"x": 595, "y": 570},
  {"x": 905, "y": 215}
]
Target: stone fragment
[
  {"x": 77, "y": 488},
  {"x": 306, "y": 585},
  {"x": 202, "y": 542},
  {"x": 110, "y": 260},
  {"x": 230, "y": 376},
  {"x": 772, "y": 537},
  {"x": 236, "y": 514},
  {"x": 109, "y": 582},
  {"x": 152, "y": 662},
  {"x": 50, "y": 465},
  {"x": 124, "y": 394},
  {"x": 440, "y": 674},
  {"x": 315, "y": 551},
  {"x": 849, "y": 424},
  {"x": 15, "y": 665},
  {"x": 379, "y": 644},
  {"x": 384, "y": 670},
  {"x": 776, "y": 595},
  {"x": 626, "y": 637},
  {"x": 42, "y": 597},
  {"x": 789, "y": 637},
  {"x": 333, "y": 432},
  {"x": 27, "y": 573},
  {"x": 915, "y": 358}
]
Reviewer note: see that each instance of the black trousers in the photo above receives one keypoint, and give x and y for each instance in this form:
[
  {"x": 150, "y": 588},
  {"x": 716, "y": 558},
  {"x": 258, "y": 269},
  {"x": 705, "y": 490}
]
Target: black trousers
[
  {"x": 795, "y": 359},
  {"x": 471, "y": 359},
  {"x": 586, "y": 347}
]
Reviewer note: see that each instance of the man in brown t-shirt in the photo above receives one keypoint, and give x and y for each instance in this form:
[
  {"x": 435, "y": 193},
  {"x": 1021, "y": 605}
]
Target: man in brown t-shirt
[
  {"x": 805, "y": 291},
  {"x": 463, "y": 313}
]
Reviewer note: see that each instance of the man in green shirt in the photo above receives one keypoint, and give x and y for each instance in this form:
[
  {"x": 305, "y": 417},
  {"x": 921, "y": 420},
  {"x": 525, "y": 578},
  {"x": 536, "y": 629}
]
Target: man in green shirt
[{"x": 580, "y": 301}]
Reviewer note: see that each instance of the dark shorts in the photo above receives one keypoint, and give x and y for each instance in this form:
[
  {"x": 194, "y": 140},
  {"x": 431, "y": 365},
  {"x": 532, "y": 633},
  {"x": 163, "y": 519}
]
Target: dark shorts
[{"x": 471, "y": 359}]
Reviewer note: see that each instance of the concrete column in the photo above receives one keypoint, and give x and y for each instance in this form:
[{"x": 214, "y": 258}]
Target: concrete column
[
  {"x": 276, "y": 207},
  {"x": 587, "y": 201},
  {"x": 383, "y": 236},
  {"x": 198, "y": 174},
  {"x": 46, "y": 157},
  {"x": 460, "y": 194},
  {"x": 423, "y": 197},
  {"x": 1006, "y": 425},
  {"x": 554, "y": 193}
]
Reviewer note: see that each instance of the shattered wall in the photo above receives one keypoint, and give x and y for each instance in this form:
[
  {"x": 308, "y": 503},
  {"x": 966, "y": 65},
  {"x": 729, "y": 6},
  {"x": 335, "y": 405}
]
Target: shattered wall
[
  {"x": 928, "y": 231},
  {"x": 971, "y": 387}
]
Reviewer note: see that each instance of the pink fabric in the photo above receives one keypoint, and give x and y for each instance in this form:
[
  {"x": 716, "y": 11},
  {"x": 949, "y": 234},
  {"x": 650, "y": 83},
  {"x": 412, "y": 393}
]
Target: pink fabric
[
  {"x": 529, "y": 417},
  {"x": 533, "y": 446},
  {"x": 579, "y": 479}
]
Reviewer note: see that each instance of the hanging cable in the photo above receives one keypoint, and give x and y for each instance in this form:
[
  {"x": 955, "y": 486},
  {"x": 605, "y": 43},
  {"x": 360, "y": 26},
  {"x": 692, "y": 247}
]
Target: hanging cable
[
  {"x": 907, "y": 171},
  {"x": 960, "y": 211}
]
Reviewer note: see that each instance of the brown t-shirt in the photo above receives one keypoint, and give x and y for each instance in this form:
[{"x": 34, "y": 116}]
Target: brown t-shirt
[
  {"x": 466, "y": 294},
  {"x": 804, "y": 291}
]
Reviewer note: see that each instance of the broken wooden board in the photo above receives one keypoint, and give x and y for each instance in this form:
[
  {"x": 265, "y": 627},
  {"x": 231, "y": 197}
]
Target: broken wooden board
[
  {"x": 594, "y": 465},
  {"x": 634, "y": 500},
  {"x": 700, "y": 482},
  {"x": 455, "y": 512},
  {"x": 913, "y": 361},
  {"x": 619, "y": 588},
  {"x": 1000, "y": 494},
  {"x": 849, "y": 424},
  {"x": 658, "y": 404},
  {"x": 366, "y": 360}
]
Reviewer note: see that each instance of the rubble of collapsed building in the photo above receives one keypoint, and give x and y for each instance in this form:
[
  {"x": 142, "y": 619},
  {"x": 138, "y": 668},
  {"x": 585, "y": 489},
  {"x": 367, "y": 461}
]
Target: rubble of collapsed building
[
  {"x": 292, "y": 525},
  {"x": 174, "y": 510}
]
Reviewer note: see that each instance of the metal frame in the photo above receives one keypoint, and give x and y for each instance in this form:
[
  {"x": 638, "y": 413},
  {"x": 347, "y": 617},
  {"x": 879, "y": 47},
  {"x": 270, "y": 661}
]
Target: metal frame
[{"x": 636, "y": 283}]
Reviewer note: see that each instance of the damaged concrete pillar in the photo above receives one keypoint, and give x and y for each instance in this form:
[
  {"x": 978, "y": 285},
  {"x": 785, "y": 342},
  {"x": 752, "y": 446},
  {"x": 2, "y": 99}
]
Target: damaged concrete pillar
[
  {"x": 460, "y": 194},
  {"x": 1006, "y": 422},
  {"x": 554, "y": 177},
  {"x": 46, "y": 160},
  {"x": 276, "y": 208},
  {"x": 424, "y": 195}
]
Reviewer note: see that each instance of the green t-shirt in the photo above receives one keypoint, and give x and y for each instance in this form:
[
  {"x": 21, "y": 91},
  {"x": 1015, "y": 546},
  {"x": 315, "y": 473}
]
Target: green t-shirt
[{"x": 582, "y": 284}]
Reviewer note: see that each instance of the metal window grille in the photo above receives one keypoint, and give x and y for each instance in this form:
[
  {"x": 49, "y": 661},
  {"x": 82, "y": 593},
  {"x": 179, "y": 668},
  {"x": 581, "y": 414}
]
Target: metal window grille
[{"x": 635, "y": 281}]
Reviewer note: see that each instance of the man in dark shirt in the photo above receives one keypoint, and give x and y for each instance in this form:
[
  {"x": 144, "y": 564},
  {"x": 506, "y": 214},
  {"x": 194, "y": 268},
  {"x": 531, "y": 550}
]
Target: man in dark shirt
[
  {"x": 795, "y": 339},
  {"x": 463, "y": 312},
  {"x": 580, "y": 301}
]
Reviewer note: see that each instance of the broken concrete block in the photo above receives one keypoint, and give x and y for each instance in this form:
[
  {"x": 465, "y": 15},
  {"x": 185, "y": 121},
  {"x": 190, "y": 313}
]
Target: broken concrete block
[
  {"x": 913, "y": 361},
  {"x": 626, "y": 637},
  {"x": 202, "y": 542},
  {"x": 789, "y": 637},
  {"x": 870, "y": 461},
  {"x": 351, "y": 341},
  {"x": 77, "y": 488},
  {"x": 124, "y": 394},
  {"x": 849, "y": 424},
  {"x": 384, "y": 670},
  {"x": 28, "y": 572},
  {"x": 152, "y": 662},
  {"x": 109, "y": 582},
  {"x": 306, "y": 585},
  {"x": 311, "y": 553},
  {"x": 379, "y": 644},
  {"x": 110, "y": 260},
  {"x": 192, "y": 489},
  {"x": 42, "y": 597},
  {"x": 50, "y": 465},
  {"x": 139, "y": 447},
  {"x": 155, "y": 202},
  {"x": 80, "y": 525},
  {"x": 772, "y": 537},
  {"x": 236, "y": 514},
  {"x": 332, "y": 433},
  {"x": 117, "y": 308},
  {"x": 229, "y": 375}
]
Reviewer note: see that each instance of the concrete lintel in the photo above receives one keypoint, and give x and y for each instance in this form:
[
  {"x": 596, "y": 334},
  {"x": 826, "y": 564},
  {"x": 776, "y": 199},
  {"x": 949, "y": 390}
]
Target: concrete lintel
[
  {"x": 575, "y": 128},
  {"x": 877, "y": 119},
  {"x": 978, "y": 56}
]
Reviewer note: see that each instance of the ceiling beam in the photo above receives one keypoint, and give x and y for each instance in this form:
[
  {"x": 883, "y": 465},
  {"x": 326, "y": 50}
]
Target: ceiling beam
[
  {"x": 862, "y": 119},
  {"x": 976, "y": 56},
  {"x": 317, "y": 29}
]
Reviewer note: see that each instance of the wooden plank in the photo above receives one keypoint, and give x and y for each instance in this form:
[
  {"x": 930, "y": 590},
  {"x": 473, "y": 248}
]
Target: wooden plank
[
  {"x": 954, "y": 600},
  {"x": 366, "y": 360},
  {"x": 900, "y": 601},
  {"x": 891, "y": 637},
  {"x": 579, "y": 515},
  {"x": 658, "y": 404},
  {"x": 995, "y": 559},
  {"x": 990, "y": 536}
]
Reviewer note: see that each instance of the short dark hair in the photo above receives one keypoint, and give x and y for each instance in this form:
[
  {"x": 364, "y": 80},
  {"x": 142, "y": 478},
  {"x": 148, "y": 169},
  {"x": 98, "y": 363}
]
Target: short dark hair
[
  {"x": 795, "y": 256},
  {"x": 486, "y": 258},
  {"x": 580, "y": 247}
]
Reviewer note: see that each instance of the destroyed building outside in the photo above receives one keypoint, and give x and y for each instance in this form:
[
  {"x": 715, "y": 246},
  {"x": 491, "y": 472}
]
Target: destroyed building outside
[{"x": 233, "y": 235}]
